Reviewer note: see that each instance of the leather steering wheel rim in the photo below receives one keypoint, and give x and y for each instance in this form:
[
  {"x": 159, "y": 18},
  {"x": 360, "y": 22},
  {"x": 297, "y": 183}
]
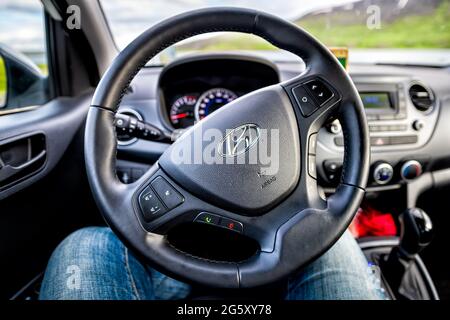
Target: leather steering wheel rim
[{"x": 292, "y": 224}]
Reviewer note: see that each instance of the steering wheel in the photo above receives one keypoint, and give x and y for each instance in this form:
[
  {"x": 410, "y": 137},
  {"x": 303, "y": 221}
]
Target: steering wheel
[{"x": 282, "y": 211}]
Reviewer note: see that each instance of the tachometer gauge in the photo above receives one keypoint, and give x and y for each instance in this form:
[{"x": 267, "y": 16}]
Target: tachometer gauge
[
  {"x": 182, "y": 112},
  {"x": 212, "y": 100}
]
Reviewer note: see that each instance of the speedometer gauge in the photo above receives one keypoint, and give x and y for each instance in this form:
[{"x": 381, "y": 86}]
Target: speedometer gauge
[
  {"x": 212, "y": 100},
  {"x": 182, "y": 112}
]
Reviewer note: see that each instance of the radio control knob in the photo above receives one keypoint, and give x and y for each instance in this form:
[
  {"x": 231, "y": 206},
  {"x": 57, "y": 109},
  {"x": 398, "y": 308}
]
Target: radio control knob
[
  {"x": 418, "y": 125},
  {"x": 411, "y": 170},
  {"x": 383, "y": 173}
]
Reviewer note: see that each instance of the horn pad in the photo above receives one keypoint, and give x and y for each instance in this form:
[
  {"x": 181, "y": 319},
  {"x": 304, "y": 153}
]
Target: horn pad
[{"x": 245, "y": 157}]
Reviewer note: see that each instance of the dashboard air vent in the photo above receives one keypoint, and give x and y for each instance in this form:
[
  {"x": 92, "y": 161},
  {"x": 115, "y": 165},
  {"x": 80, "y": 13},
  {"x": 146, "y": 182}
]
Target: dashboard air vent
[{"x": 421, "y": 97}]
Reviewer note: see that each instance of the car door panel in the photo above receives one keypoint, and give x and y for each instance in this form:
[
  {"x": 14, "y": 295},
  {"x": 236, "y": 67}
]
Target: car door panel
[{"x": 40, "y": 210}]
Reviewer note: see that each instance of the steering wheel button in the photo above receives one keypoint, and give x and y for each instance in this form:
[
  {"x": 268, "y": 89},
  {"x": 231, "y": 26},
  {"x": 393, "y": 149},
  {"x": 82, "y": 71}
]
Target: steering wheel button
[
  {"x": 231, "y": 225},
  {"x": 151, "y": 206},
  {"x": 207, "y": 218},
  {"x": 319, "y": 91},
  {"x": 167, "y": 193},
  {"x": 304, "y": 101}
]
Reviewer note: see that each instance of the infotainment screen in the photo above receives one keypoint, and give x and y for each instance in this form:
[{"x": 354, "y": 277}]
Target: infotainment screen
[{"x": 376, "y": 100}]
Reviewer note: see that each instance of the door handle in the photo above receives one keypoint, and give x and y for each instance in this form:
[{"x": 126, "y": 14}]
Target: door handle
[{"x": 8, "y": 171}]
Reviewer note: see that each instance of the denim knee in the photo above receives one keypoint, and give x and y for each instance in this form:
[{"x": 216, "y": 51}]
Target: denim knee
[
  {"x": 91, "y": 263},
  {"x": 87, "y": 243},
  {"x": 341, "y": 273}
]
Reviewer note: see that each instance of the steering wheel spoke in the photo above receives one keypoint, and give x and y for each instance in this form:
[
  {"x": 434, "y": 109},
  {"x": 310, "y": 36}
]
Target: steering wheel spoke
[
  {"x": 314, "y": 97},
  {"x": 161, "y": 205}
]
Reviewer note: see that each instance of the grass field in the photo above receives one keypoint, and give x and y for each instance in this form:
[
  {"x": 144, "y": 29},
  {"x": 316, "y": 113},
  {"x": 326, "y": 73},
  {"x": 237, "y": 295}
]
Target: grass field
[
  {"x": 2, "y": 83},
  {"x": 421, "y": 31},
  {"x": 432, "y": 31}
]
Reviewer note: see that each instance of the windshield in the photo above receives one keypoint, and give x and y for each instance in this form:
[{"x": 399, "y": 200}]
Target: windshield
[{"x": 375, "y": 24}]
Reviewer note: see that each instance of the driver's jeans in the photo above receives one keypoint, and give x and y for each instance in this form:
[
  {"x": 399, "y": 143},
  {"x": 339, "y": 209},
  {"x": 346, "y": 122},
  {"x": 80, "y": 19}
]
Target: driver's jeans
[{"x": 93, "y": 264}]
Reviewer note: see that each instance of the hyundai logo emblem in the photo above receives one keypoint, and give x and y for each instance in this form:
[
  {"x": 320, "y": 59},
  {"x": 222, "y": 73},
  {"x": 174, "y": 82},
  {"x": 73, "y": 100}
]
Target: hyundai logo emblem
[{"x": 239, "y": 140}]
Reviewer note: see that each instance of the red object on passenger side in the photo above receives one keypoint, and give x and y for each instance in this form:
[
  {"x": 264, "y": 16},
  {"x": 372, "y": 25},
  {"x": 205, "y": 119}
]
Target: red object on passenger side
[{"x": 370, "y": 222}]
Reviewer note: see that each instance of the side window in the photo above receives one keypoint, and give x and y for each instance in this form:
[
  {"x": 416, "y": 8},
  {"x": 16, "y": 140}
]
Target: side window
[{"x": 23, "y": 55}]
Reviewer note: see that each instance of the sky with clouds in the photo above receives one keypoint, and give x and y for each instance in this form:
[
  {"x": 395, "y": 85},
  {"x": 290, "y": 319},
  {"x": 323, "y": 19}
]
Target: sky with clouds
[
  {"x": 137, "y": 15},
  {"x": 22, "y": 24}
]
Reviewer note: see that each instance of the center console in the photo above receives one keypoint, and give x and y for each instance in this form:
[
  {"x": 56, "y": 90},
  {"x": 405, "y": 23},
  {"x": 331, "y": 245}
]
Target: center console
[
  {"x": 397, "y": 263},
  {"x": 401, "y": 114}
]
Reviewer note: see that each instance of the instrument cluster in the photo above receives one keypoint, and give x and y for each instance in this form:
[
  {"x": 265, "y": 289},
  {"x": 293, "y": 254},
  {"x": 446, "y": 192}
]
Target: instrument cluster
[
  {"x": 194, "y": 88},
  {"x": 188, "y": 109}
]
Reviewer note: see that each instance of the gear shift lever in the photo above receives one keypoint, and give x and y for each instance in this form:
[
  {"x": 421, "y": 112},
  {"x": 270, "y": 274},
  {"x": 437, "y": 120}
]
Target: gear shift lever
[{"x": 416, "y": 233}]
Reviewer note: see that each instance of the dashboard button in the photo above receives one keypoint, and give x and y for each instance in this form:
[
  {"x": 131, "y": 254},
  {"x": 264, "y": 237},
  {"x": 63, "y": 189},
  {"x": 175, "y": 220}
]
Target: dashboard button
[
  {"x": 333, "y": 169},
  {"x": 383, "y": 128},
  {"x": 400, "y": 116},
  {"x": 124, "y": 175},
  {"x": 418, "y": 125},
  {"x": 167, "y": 193},
  {"x": 339, "y": 141},
  {"x": 151, "y": 206},
  {"x": 404, "y": 140},
  {"x": 319, "y": 91},
  {"x": 411, "y": 170},
  {"x": 207, "y": 218},
  {"x": 304, "y": 101},
  {"x": 399, "y": 127},
  {"x": 332, "y": 166},
  {"x": 383, "y": 173},
  {"x": 231, "y": 225},
  {"x": 379, "y": 141},
  {"x": 386, "y": 116}
]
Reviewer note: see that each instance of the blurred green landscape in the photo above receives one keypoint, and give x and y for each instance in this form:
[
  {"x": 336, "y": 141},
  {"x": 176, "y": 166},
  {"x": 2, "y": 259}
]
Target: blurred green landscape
[
  {"x": 2, "y": 83},
  {"x": 409, "y": 31},
  {"x": 412, "y": 31}
]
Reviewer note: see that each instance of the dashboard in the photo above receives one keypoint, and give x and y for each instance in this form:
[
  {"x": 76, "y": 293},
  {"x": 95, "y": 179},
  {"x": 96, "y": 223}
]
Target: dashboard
[
  {"x": 402, "y": 113},
  {"x": 407, "y": 110}
]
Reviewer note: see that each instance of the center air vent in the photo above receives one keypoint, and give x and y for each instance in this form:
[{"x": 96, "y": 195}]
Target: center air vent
[{"x": 421, "y": 97}]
